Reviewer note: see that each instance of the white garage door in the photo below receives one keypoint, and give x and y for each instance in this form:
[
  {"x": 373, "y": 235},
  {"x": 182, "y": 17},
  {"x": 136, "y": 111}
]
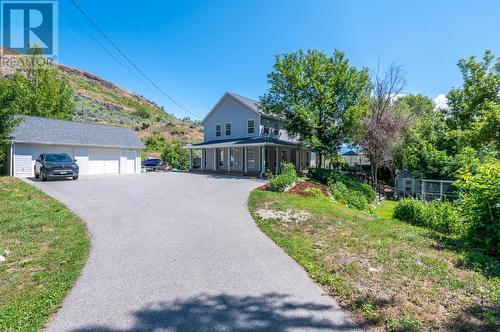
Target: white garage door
[{"x": 104, "y": 161}]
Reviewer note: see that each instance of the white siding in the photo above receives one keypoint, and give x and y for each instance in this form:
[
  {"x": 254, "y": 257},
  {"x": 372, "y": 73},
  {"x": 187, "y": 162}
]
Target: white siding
[
  {"x": 128, "y": 161},
  {"x": 82, "y": 159},
  {"x": 230, "y": 111}
]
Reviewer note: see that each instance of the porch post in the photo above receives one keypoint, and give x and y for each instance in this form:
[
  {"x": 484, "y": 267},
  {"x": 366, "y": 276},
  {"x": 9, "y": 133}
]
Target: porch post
[
  {"x": 190, "y": 159},
  {"x": 229, "y": 159},
  {"x": 215, "y": 159},
  {"x": 202, "y": 166},
  {"x": 244, "y": 159},
  {"x": 262, "y": 161},
  {"x": 277, "y": 161}
]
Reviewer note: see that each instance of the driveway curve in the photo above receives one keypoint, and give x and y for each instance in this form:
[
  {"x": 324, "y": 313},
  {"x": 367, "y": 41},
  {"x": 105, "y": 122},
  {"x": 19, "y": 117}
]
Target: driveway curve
[{"x": 180, "y": 252}]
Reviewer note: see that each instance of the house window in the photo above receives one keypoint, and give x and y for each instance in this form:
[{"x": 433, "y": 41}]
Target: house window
[
  {"x": 228, "y": 129},
  {"x": 251, "y": 157},
  {"x": 276, "y": 129},
  {"x": 266, "y": 130},
  {"x": 251, "y": 126},
  {"x": 217, "y": 130}
]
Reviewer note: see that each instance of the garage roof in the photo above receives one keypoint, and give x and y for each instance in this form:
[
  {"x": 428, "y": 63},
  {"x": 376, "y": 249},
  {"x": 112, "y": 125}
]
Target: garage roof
[{"x": 53, "y": 131}]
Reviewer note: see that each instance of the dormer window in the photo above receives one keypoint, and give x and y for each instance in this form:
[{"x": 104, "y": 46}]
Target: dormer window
[
  {"x": 218, "y": 130},
  {"x": 251, "y": 126},
  {"x": 228, "y": 129}
]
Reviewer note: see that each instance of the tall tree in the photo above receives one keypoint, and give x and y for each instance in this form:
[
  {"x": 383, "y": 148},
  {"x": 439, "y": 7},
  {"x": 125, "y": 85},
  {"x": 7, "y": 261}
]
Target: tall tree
[
  {"x": 38, "y": 89},
  {"x": 473, "y": 114},
  {"x": 383, "y": 127},
  {"x": 320, "y": 98}
]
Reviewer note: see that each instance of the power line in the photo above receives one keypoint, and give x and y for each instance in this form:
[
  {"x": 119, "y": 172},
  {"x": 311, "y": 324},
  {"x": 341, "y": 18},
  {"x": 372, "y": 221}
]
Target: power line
[
  {"x": 100, "y": 45},
  {"x": 129, "y": 60}
]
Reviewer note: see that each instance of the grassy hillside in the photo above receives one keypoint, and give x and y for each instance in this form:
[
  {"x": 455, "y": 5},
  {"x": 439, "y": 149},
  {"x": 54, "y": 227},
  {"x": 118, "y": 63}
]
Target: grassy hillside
[{"x": 98, "y": 100}]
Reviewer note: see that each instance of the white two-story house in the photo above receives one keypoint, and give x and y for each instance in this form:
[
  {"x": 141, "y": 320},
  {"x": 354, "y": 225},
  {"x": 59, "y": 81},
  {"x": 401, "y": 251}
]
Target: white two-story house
[{"x": 240, "y": 139}]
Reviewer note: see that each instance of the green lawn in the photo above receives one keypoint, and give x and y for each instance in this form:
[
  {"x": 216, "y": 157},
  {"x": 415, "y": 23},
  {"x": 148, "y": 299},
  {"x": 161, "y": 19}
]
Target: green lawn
[
  {"x": 385, "y": 272},
  {"x": 45, "y": 246}
]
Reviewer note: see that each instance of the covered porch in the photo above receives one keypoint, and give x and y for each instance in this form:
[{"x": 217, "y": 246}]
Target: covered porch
[{"x": 247, "y": 157}]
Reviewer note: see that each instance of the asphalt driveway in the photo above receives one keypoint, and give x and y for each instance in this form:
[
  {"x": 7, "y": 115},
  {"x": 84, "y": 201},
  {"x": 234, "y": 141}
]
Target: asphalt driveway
[{"x": 180, "y": 252}]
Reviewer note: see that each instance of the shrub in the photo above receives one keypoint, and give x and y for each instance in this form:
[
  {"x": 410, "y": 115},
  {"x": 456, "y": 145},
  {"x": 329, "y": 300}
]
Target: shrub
[
  {"x": 352, "y": 198},
  {"x": 338, "y": 190},
  {"x": 155, "y": 142},
  {"x": 284, "y": 180},
  {"x": 313, "y": 192},
  {"x": 439, "y": 216},
  {"x": 480, "y": 205},
  {"x": 324, "y": 175},
  {"x": 175, "y": 155}
]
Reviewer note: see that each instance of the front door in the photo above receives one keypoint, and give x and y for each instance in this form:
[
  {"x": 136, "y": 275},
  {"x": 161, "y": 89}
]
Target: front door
[{"x": 284, "y": 156}]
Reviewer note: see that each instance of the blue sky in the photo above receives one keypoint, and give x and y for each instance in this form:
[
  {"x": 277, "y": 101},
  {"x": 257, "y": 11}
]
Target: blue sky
[{"x": 197, "y": 50}]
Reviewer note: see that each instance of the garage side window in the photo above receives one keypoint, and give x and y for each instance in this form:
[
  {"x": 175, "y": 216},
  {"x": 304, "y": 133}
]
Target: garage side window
[
  {"x": 251, "y": 158},
  {"x": 218, "y": 130},
  {"x": 251, "y": 126}
]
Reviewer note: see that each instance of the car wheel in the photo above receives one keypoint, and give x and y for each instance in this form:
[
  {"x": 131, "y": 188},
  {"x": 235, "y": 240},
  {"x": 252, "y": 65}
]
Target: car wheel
[
  {"x": 37, "y": 176},
  {"x": 75, "y": 177},
  {"x": 44, "y": 177}
]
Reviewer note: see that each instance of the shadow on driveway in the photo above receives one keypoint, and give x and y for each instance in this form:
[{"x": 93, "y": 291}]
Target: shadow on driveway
[{"x": 268, "y": 312}]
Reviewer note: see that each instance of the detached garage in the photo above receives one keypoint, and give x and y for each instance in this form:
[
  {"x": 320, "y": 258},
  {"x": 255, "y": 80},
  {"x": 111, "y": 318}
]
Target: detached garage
[{"x": 98, "y": 149}]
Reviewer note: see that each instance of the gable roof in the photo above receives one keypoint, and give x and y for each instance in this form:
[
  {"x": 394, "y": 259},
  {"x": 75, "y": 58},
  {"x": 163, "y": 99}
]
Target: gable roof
[
  {"x": 247, "y": 102},
  {"x": 53, "y": 131},
  {"x": 350, "y": 153}
]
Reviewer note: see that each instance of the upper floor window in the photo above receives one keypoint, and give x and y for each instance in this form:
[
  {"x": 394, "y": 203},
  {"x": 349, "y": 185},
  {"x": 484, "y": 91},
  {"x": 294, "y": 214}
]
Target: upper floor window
[
  {"x": 251, "y": 126},
  {"x": 228, "y": 129},
  {"x": 218, "y": 130},
  {"x": 276, "y": 129}
]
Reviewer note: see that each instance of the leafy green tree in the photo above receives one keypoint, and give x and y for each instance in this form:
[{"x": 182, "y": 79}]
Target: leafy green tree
[
  {"x": 473, "y": 116},
  {"x": 7, "y": 120},
  {"x": 38, "y": 89},
  {"x": 175, "y": 155},
  {"x": 155, "y": 142},
  {"x": 320, "y": 98},
  {"x": 463, "y": 136}
]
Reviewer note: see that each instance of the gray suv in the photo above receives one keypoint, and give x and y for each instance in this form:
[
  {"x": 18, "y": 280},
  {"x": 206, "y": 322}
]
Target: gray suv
[{"x": 55, "y": 165}]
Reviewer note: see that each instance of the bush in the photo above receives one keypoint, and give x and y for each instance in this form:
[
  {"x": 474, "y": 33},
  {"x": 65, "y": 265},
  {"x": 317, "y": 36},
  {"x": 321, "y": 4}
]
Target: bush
[
  {"x": 313, "y": 192},
  {"x": 175, "y": 155},
  {"x": 480, "y": 205},
  {"x": 339, "y": 191},
  {"x": 439, "y": 216},
  {"x": 284, "y": 180},
  {"x": 155, "y": 142},
  {"x": 352, "y": 198},
  {"x": 324, "y": 175}
]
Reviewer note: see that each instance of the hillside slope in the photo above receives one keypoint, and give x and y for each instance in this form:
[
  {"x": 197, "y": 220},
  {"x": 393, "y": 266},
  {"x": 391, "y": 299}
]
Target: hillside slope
[{"x": 99, "y": 100}]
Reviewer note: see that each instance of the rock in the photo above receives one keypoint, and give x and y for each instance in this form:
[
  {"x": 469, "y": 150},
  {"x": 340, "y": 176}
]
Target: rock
[
  {"x": 2, "y": 259},
  {"x": 373, "y": 270}
]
